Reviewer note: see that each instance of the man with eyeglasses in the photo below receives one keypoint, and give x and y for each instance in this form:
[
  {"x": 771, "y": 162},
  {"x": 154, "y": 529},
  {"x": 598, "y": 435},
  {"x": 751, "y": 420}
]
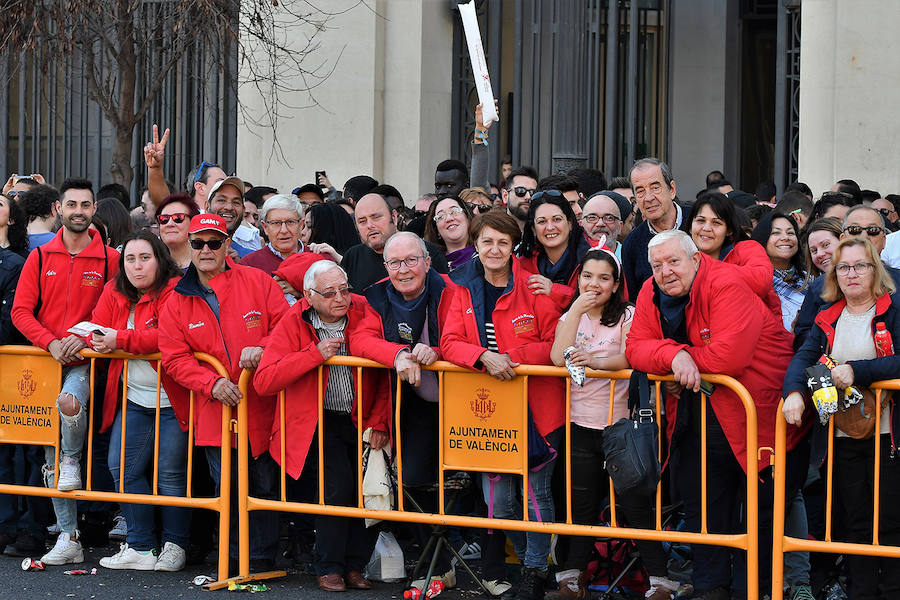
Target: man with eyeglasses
[
  {"x": 888, "y": 211},
  {"x": 281, "y": 217},
  {"x": 654, "y": 192},
  {"x": 228, "y": 311},
  {"x": 602, "y": 219},
  {"x": 331, "y": 321},
  {"x": 376, "y": 221},
  {"x": 517, "y": 191},
  {"x": 860, "y": 222}
]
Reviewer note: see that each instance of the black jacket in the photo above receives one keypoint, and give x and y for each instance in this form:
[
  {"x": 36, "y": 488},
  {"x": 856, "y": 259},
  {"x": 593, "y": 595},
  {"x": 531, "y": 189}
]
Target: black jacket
[{"x": 10, "y": 267}]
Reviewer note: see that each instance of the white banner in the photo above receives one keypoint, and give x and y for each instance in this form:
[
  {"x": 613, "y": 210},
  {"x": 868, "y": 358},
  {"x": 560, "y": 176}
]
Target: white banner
[{"x": 479, "y": 64}]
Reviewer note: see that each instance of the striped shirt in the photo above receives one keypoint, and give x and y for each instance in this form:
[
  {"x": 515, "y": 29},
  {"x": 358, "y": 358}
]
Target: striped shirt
[
  {"x": 339, "y": 389},
  {"x": 491, "y": 337}
]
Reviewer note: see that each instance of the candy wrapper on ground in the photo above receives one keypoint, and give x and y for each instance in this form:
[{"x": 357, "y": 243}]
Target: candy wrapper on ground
[
  {"x": 247, "y": 587},
  {"x": 577, "y": 372}
]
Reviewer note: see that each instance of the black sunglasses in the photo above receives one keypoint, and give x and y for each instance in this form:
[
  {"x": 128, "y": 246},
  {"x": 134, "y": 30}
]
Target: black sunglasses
[
  {"x": 214, "y": 245},
  {"x": 521, "y": 192},
  {"x": 871, "y": 231},
  {"x": 479, "y": 208}
]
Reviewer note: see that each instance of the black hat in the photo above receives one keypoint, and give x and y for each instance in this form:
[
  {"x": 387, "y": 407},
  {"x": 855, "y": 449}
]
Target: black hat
[
  {"x": 620, "y": 200},
  {"x": 309, "y": 187}
]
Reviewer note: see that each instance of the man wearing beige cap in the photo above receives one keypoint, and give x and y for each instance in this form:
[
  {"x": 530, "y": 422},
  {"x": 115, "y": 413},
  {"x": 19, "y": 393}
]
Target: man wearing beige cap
[{"x": 226, "y": 199}]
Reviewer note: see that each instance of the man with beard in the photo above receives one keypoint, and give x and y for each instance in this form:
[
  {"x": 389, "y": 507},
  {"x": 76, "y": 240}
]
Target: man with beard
[
  {"x": 517, "y": 191},
  {"x": 226, "y": 199},
  {"x": 603, "y": 216},
  {"x": 59, "y": 286}
]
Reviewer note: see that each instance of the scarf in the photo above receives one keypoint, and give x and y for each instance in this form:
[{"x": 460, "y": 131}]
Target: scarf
[
  {"x": 792, "y": 278},
  {"x": 559, "y": 272},
  {"x": 457, "y": 258},
  {"x": 409, "y": 314}
]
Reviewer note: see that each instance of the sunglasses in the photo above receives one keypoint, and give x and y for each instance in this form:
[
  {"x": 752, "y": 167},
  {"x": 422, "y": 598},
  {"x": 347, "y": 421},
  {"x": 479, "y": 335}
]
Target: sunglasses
[
  {"x": 343, "y": 291},
  {"x": 177, "y": 217},
  {"x": 13, "y": 193},
  {"x": 871, "y": 231},
  {"x": 479, "y": 208},
  {"x": 202, "y": 169},
  {"x": 214, "y": 245},
  {"x": 548, "y": 193},
  {"x": 521, "y": 192}
]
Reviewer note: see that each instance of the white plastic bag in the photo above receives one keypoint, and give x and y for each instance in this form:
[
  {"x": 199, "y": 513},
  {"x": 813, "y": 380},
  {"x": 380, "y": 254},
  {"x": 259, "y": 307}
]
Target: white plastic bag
[{"x": 386, "y": 563}]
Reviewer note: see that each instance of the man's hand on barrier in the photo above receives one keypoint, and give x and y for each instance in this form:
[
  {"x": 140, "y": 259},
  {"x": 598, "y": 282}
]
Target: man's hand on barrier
[
  {"x": 330, "y": 346},
  {"x": 498, "y": 365},
  {"x": 105, "y": 342},
  {"x": 793, "y": 408},
  {"x": 407, "y": 368},
  {"x": 842, "y": 375},
  {"x": 226, "y": 392},
  {"x": 685, "y": 370},
  {"x": 424, "y": 354},
  {"x": 71, "y": 345},
  {"x": 56, "y": 351},
  {"x": 378, "y": 440},
  {"x": 250, "y": 357}
]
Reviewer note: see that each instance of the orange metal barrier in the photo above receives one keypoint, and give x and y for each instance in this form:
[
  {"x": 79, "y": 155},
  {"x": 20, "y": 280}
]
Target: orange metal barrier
[
  {"x": 19, "y": 372},
  {"x": 741, "y": 541},
  {"x": 783, "y": 543}
]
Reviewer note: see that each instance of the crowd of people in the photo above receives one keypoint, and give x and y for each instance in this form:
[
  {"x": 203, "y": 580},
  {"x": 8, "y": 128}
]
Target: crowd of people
[{"x": 487, "y": 276}]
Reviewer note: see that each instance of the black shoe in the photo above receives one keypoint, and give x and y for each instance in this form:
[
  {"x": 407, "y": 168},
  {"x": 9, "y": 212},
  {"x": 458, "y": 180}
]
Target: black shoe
[
  {"x": 6, "y": 539},
  {"x": 27, "y": 545},
  {"x": 531, "y": 584}
]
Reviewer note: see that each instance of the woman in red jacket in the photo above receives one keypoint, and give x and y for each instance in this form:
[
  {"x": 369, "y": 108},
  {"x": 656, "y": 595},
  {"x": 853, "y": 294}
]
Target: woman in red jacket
[
  {"x": 129, "y": 311},
  {"x": 494, "y": 323}
]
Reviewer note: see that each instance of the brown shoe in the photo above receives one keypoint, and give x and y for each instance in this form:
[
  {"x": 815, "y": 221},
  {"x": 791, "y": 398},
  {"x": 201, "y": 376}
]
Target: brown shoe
[
  {"x": 356, "y": 581},
  {"x": 333, "y": 582}
]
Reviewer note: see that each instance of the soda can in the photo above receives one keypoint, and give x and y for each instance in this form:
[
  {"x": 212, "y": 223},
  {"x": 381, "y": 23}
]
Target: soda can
[
  {"x": 32, "y": 565},
  {"x": 203, "y": 579},
  {"x": 76, "y": 572}
]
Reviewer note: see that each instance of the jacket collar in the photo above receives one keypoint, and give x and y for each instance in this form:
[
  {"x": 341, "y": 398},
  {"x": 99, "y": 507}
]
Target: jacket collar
[
  {"x": 189, "y": 284},
  {"x": 94, "y": 249},
  {"x": 827, "y": 318}
]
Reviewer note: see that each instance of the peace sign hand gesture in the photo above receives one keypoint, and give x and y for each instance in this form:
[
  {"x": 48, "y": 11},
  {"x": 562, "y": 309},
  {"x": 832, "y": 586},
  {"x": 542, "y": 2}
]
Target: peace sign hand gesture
[{"x": 155, "y": 150}]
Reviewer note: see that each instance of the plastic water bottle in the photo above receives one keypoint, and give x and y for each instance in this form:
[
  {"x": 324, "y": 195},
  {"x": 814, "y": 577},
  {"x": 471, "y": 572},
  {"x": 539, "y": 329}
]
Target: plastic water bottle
[{"x": 884, "y": 344}]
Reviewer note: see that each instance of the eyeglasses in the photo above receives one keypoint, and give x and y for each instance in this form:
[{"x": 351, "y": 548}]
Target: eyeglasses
[
  {"x": 450, "y": 212},
  {"x": 343, "y": 291},
  {"x": 202, "y": 169},
  {"x": 871, "y": 230},
  {"x": 859, "y": 268},
  {"x": 884, "y": 211},
  {"x": 591, "y": 218},
  {"x": 479, "y": 208},
  {"x": 13, "y": 193},
  {"x": 177, "y": 217},
  {"x": 521, "y": 192},
  {"x": 410, "y": 262},
  {"x": 214, "y": 245},
  {"x": 548, "y": 193},
  {"x": 278, "y": 224}
]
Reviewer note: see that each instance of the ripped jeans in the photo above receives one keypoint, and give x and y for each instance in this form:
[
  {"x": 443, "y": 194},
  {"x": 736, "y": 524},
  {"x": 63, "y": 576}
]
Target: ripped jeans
[{"x": 76, "y": 380}]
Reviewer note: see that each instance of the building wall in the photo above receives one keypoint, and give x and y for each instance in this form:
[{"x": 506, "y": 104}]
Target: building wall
[
  {"x": 704, "y": 92},
  {"x": 849, "y": 89},
  {"x": 384, "y": 111}
]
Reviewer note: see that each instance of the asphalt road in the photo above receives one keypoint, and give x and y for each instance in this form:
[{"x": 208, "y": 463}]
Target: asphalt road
[{"x": 141, "y": 585}]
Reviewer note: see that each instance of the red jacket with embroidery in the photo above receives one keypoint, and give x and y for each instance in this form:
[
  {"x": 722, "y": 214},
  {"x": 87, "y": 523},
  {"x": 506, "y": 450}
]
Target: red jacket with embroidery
[
  {"x": 112, "y": 310},
  {"x": 731, "y": 332},
  {"x": 68, "y": 287},
  {"x": 290, "y": 363},
  {"x": 524, "y": 325},
  {"x": 295, "y": 266},
  {"x": 250, "y": 305}
]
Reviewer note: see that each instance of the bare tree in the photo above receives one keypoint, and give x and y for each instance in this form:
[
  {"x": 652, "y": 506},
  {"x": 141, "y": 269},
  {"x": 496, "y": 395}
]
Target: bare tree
[{"x": 130, "y": 47}]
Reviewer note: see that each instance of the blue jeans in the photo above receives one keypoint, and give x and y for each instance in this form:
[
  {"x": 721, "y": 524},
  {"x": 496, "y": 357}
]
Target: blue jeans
[
  {"x": 76, "y": 380},
  {"x": 36, "y": 517},
  {"x": 531, "y": 548},
  {"x": 140, "y": 427}
]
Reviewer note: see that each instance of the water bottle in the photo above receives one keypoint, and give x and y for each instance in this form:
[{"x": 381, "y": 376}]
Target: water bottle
[{"x": 884, "y": 344}]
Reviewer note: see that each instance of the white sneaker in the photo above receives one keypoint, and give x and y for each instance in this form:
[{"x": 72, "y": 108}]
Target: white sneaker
[
  {"x": 129, "y": 558},
  {"x": 172, "y": 558},
  {"x": 120, "y": 529},
  {"x": 69, "y": 474},
  {"x": 66, "y": 550}
]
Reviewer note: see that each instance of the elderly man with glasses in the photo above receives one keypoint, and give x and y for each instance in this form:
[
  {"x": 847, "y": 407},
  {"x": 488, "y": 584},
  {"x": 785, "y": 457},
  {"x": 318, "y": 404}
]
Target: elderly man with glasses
[
  {"x": 602, "y": 218},
  {"x": 228, "y": 311},
  {"x": 331, "y": 321}
]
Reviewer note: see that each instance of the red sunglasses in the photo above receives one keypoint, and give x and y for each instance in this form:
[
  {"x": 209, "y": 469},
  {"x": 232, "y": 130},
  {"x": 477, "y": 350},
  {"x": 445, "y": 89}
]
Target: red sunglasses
[{"x": 177, "y": 217}]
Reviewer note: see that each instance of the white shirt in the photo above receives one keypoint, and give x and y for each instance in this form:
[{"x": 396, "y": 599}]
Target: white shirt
[
  {"x": 891, "y": 252},
  {"x": 248, "y": 236},
  {"x": 678, "y": 217}
]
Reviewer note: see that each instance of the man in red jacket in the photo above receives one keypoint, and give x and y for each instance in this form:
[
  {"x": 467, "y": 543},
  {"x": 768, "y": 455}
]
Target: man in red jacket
[
  {"x": 330, "y": 321},
  {"x": 59, "y": 286},
  {"x": 228, "y": 311},
  {"x": 697, "y": 315}
]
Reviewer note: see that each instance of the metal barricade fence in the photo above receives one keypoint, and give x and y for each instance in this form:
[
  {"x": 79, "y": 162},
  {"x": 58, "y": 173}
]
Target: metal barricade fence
[
  {"x": 783, "y": 543},
  {"x": 31, "y": 380},
  {"x": 481, "y": 381}
]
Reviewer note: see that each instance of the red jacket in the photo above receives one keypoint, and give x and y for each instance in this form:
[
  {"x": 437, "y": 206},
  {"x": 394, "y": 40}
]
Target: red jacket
[
  {"x": 732, "y": 333},
  {"x": 560, "y": 294},
  {"x": 290, "y": 363},
  {"x": 756, "y": 269},
  {"x": 67, "y": 287},
  {"x": 112, "y": 310},
  {"x": 524, "y": 325},
  {"x": 250, "y": 304}
]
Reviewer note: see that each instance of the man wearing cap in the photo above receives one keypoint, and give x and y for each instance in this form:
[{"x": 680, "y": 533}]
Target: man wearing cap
[
  {"x": 225, "y": 310},
  {"x": 309, "y": 194},
  {"x": 226, "y": 199},
  {"x": 602, "y": 218}
]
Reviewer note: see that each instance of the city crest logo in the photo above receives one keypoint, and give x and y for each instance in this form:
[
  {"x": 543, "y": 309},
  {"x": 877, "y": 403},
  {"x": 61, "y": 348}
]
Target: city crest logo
[
  {"x": 26, "y": 385},
  {"x": 482, "y": 406}
]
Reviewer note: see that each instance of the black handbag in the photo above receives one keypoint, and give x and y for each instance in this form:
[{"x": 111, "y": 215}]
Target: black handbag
[{"x": 631, "y": 445}]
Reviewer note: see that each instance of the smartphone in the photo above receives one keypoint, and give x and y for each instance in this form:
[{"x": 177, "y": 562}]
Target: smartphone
[
  {"x": 318, "y": 174},
  {"x": 707, "y": 388}
]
